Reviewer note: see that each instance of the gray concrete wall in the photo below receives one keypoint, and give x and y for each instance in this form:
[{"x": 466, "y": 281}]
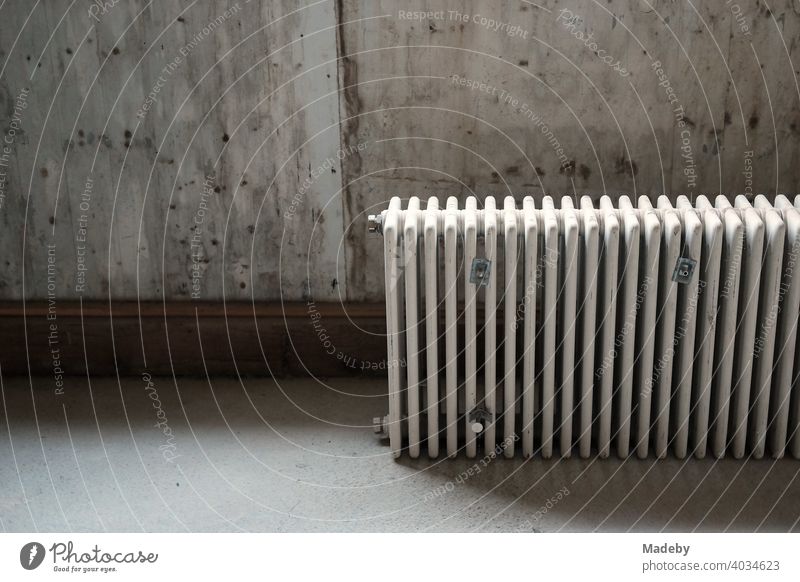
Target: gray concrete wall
[{"x": 231, "y": 150}]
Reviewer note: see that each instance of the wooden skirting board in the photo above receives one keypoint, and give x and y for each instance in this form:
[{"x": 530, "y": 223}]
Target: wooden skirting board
[{"x": 192, "y": 338}]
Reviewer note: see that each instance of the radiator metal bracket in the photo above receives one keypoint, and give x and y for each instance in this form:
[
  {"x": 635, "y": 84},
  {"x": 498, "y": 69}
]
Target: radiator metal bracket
[
  {"x": 479, "y": 273},
  {"x": 684, "y": 270}
]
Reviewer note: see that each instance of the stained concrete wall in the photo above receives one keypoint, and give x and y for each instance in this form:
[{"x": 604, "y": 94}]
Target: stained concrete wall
[{"x": 231, "y": 150}]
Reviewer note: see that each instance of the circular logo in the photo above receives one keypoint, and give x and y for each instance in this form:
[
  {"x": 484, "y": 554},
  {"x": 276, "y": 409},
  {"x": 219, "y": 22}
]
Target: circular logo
[{"x": 31, "y": 555}]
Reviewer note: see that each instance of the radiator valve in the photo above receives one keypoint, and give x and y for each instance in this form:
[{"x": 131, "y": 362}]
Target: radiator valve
[
  {"x": 375, "y": 223},
  {"x": 478, "y": 419}
]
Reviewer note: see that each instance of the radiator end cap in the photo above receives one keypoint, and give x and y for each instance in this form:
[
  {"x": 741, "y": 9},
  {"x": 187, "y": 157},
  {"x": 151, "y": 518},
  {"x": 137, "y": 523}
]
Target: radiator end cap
[{"x": 380, "y": 426}]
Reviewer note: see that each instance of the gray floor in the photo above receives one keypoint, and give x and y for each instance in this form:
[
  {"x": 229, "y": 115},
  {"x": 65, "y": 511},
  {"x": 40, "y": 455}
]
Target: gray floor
[{"x": 297, "y": 455}]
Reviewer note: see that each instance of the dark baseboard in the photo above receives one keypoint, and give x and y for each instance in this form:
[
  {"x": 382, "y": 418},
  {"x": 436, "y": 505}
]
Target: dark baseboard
[{"x": 192, "y": 338}]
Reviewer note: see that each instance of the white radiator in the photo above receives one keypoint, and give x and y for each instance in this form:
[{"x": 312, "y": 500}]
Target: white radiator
[{"x": 547, "y": 330}]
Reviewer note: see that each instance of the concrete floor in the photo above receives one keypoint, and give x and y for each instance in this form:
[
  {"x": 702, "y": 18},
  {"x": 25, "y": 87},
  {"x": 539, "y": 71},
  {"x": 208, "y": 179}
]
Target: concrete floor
[{"x": 299, "y": 455}]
